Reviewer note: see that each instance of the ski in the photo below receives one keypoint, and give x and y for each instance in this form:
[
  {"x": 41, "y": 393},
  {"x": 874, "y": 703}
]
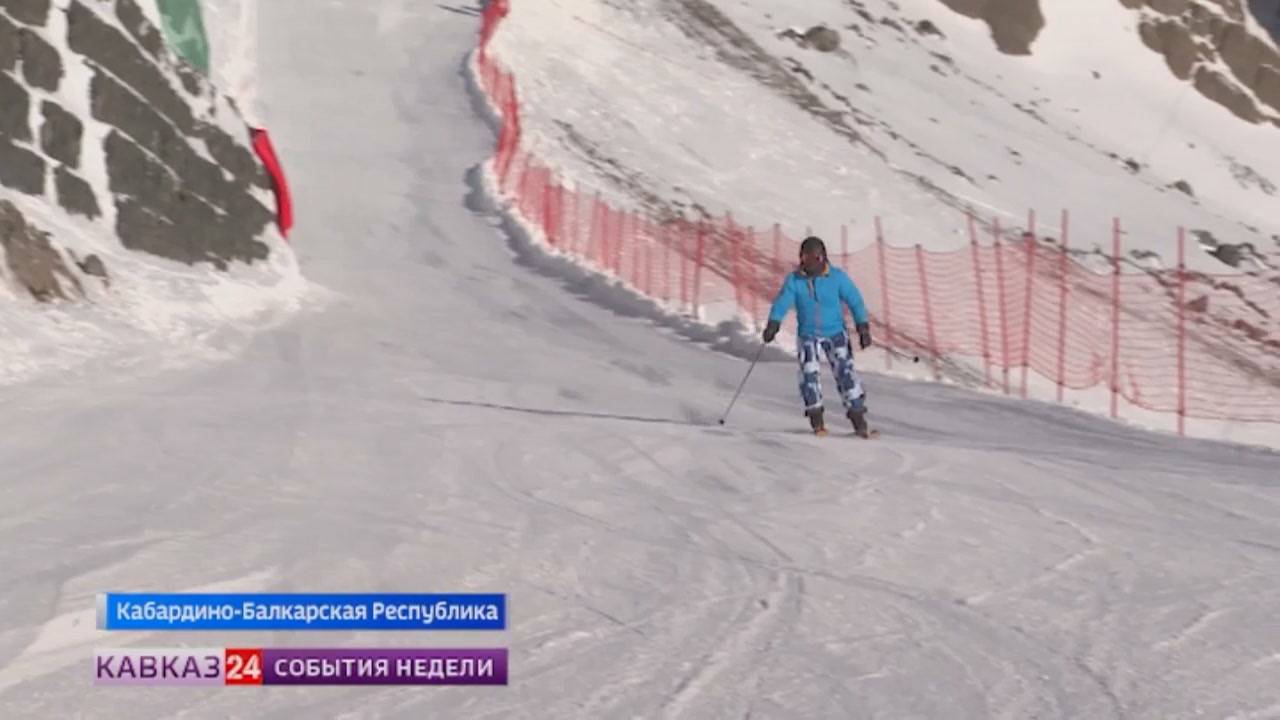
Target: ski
[{"x": 871, "y": 434}]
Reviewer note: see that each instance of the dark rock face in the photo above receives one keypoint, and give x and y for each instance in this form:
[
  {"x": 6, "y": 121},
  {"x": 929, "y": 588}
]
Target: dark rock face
[
  {"x": 159, "y": 215},
  {"x": 75, "y": 195},
  {"x": 232, "y": 156},
  {"x": 142, "y": 31},
  {"x": 113, "y": 51},
  {"x": 41, "y": 66},
  {"x": 1194, "y": 36},
  {"x": 8, "y": 45},
  {"x": 21, "y": 169},
  {"x": 183, "y": 186},
  {"x": 1180, "y": 52},
  {"x": 61, "y": 134},
  {"x": 1197, "y": 37},
  {"x": 1014, "y": 24},
  {"x": 15, "y": 108},
  {"x": 31, "y": 12},
  {"x": 1218, "y": 88},
  {"x": 171, "y": 199}
]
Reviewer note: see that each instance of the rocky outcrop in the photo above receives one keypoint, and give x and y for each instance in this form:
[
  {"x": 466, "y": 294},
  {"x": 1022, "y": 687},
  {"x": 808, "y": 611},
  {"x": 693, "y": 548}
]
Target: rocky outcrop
[
  {"x": 60, "y": 134},
  {"x": 818, "y": 37},
  {"x": 823, "y": 38},
  {"x": 1014, "y": 24},
  {"x": 31, "y": 259},
  {"x": 1220, "y": 89},
  {"x": 31, "y": 12},
  {"x": 21, "y": 169},
  {"x": 180, "y": 174},
  {"x": 1180, "y": 52},
  {"x": 1199, "y": 37},
  {"x": 15, "y": 108}
]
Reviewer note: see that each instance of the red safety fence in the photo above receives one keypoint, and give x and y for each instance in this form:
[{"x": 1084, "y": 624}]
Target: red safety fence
[{"x": 1006, "y": 307}]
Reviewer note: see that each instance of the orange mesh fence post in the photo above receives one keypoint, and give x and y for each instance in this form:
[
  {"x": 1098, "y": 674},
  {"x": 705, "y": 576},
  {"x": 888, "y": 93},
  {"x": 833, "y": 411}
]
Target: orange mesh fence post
[
  {"x": 1028, "y": 299},
  {"x": 534, "y": 190},
  {"x": 753, "y": 286},
  {"x": 606, "y": 237},
  {"x": 575, "y": 239},
  {"x": 617, "y": 230},
  {"x": 1062, "y": 305},
  {"x": 648, "y": 258},
  {"x": 735, "y": 260},
  {"x": 596, "y": 233},
  {"x": 549, "y": 194},
  {"x": 634, "y": 247},
  {"x": 562, "y": 216},
  {"x": 522, "y": 190},
  {"x": 1182, "y": 331},
  {"x": 928, "y": 311},
  {"x": 697, "y": 269},
  {"x": 666, "y": 261},
  {"x": 884, "y": 295},
  {"x": 618, "y": 242},
  {"x": 640, "y": 252},
  {"x": 685, "y": 295},
  {"x": 998, "y": 248},
  {"x": 508, "y": 104},
  {"x": 1115, "y": 320},
  {"x": 540, "y": 206},
  {"x": 982, "y": 299},
  {"x": 603, "y": 246}
]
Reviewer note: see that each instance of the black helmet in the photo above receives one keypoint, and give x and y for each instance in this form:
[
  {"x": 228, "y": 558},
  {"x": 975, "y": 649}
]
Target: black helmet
[{"x": 812, "y": 244}]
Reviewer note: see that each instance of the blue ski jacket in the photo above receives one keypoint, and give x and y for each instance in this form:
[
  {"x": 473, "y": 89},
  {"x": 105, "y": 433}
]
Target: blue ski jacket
[{"x": 817, "y": 302}]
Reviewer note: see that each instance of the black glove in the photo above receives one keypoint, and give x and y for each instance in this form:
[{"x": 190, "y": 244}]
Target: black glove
[
  {"x": 864, "y": 335},
  {"x": 771, "y": 331}
]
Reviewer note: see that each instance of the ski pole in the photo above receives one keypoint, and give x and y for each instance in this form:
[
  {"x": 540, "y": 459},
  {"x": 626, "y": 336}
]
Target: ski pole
[{"x": 743, "y": 383}]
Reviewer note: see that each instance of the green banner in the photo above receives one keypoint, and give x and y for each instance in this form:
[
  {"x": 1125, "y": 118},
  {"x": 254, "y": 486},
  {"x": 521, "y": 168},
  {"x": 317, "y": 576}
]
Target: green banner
[{"x": 184, "y": 29}]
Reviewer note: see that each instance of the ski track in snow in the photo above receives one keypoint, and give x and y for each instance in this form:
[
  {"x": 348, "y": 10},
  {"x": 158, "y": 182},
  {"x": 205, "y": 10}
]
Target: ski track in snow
[{"x": 454, "y": 421}]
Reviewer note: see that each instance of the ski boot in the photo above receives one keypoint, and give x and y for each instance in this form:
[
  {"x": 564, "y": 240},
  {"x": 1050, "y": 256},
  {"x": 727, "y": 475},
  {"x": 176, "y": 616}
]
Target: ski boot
[
  {"x": 859, "y": 419},
  {"x": 816, "y": 422}
]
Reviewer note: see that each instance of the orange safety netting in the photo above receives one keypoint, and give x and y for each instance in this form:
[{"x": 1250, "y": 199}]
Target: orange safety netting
[{"x": 1170, "y": 341}]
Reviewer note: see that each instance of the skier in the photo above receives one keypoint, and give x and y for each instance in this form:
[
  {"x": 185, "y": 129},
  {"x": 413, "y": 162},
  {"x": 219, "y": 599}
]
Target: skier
[{"x": 816, "y": 290}]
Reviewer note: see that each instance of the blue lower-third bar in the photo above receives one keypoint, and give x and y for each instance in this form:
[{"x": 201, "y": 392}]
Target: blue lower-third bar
[{"x": 301, "y": 611}]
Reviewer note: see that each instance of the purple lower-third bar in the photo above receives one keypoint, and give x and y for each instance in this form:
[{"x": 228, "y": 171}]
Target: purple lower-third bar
[{"x": 384, "y": 666}]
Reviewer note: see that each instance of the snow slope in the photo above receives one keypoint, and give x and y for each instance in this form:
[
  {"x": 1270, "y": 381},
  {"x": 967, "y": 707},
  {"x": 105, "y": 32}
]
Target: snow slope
[
  {"x": 462, "y": 417},
  {"x": 704, "y": 103}
]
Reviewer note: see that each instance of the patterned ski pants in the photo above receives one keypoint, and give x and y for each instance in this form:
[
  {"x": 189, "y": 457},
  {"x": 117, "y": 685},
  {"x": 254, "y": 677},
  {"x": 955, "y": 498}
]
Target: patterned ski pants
[{"x": 839, "y": 353}]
